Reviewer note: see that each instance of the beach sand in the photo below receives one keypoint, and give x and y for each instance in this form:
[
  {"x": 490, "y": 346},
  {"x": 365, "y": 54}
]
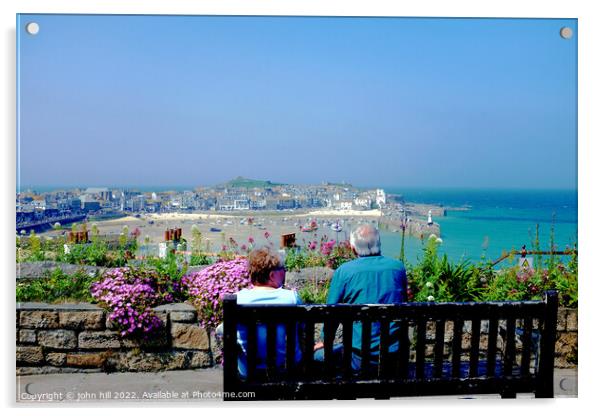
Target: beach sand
[{"x": 236, "y": 226}]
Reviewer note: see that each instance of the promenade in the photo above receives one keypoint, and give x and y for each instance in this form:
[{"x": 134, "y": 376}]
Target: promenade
[{"x": 179, "y": 386}]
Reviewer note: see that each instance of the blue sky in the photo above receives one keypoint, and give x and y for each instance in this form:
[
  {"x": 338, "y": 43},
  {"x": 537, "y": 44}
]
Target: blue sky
[{"x": 192, "y": 100}]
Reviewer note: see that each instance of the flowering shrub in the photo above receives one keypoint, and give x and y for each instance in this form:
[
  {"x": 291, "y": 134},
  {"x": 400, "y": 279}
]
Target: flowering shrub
[
  {"x": 437, "y": 279},
  {"x": 325, "y": 253},
  {"x": 130, "y": 295},
  {"x": 207, "y": 288}
]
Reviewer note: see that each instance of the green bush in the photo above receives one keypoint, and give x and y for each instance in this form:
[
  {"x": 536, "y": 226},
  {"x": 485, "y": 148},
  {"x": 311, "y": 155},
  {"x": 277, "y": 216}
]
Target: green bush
[
  {"x": 199, "y": 259},
  {"x": 57, "y": 286},
  {"x": 313, "y": 291},
  {"x": 435, "y": 278}
]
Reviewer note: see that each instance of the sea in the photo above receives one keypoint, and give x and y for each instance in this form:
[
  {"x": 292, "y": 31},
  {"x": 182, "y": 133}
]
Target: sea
[{"x": 496, "y": 221}]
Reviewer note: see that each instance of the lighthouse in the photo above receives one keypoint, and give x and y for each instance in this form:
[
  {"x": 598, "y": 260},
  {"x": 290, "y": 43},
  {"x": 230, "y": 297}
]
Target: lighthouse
[{"x": 429, "y": 221}]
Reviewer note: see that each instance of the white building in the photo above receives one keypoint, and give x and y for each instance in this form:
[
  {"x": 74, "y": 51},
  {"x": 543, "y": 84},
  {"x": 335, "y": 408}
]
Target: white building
[{"x": 381, "y": 197}]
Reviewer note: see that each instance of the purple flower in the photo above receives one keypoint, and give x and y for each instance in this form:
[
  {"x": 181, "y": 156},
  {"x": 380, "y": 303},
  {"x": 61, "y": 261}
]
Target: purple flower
[{"x": 208, "y": 287}]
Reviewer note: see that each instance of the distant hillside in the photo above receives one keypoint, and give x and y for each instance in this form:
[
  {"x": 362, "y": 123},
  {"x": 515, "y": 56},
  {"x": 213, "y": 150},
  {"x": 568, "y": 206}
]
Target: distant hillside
[{"x": 241, "y": 182}]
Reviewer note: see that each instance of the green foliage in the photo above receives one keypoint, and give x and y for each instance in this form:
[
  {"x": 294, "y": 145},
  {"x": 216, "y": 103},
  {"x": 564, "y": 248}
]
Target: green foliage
[
  {"x": 57, "y": 286},
  {"x": 172, "y": 266},
  {"x": 301, "y": 259},
  {"x": 314, "y": 291},
  {"x": 96, "y": 253},
  {"x": 435, "y": 278},
  {"x": 35, "y": 248},
  {"x": 240, "y": 182},
  {"x": 199, "y": 260},
  {"x": 197, "y": 239},
  {"x": 123, "y": 237},
  {"x": 328, "y": 254}
]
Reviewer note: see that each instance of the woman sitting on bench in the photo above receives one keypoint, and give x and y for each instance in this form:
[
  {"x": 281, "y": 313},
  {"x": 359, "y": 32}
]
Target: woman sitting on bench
[{"x": 267, "y": 273}]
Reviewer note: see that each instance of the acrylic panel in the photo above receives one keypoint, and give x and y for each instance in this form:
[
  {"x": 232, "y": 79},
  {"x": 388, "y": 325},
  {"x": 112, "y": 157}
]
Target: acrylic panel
[{"x": 156, "y": 154}]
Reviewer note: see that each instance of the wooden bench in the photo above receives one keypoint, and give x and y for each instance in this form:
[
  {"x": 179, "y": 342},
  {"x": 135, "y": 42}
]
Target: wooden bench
[{"x": 440, "y": 350}]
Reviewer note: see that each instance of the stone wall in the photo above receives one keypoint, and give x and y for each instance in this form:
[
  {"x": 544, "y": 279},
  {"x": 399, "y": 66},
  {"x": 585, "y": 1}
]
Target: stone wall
[
  {"x": 69, "y": 338},
  {"x": 566, "y": 338}
]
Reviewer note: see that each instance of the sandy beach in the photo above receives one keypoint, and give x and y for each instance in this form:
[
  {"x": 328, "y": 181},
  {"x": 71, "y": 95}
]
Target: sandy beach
[{"x": 218, "y": 228}]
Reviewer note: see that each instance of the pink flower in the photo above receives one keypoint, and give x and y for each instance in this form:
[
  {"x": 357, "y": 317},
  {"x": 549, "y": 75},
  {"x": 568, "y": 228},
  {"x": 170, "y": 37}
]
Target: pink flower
[{"x": 208, "y": 287}]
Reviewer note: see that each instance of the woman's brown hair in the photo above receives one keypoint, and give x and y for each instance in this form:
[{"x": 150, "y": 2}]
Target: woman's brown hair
[{"x": 261, "y": 262}]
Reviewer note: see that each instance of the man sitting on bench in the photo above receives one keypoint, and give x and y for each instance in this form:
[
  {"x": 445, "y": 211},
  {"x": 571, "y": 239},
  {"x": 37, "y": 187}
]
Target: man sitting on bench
[{"x": 369, "y": 279}]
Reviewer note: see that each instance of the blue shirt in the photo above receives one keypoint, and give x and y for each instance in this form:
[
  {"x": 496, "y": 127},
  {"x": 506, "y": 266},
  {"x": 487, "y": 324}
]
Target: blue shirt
[
  {"x": 267, "y": 296},
  {"x": 370, "y": 280}
]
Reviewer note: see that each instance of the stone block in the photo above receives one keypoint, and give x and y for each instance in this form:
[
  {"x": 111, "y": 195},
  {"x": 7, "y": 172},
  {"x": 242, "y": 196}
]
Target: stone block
[
  {"x": 571, "y": 320},
  {"x": 110, "y": 324},
  {"x": 561, "y": 321},
  {"x": 30, "y": 355},
  {"x": 566, "y": 344},
  {"x": 27, "y": 336},
  {"x": 189, "y": 336},
  {"x": 99, "y": 339},
  {"x": 94, "y": 360},
  {"x": 59, "y": 338},
  {"x": 81, "y": 319},
  {"x": 162, "y": 315},
  {"x": 159, "y": 339},
  {"x": 182, "y": 316},
  {"x": 56, "y": 359},
  {"x": 132, "y": 361},
  {"x": 38, "y": 319},
  {"x": 28, "y": 371},
  {"x": 200, "y": 359}
]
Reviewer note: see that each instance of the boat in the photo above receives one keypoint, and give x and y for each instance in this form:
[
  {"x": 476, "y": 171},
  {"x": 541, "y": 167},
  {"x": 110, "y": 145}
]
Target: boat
[
  {"x": 215, "y": 230},
  {"x": 336, "y": 227},
  {"x": 310, "y": 227}
]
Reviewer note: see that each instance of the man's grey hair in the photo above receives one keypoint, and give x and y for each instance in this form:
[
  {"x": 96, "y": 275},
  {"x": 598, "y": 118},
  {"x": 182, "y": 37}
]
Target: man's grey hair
[{"x": 365, "y": 239}]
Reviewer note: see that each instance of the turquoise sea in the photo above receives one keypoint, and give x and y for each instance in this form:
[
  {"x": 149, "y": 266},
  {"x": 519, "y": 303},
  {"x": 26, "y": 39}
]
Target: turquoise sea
[{"x": 497, "y": 220}]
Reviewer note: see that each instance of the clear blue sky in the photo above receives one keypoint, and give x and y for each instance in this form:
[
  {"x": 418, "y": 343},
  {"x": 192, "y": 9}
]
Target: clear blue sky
[{"x": 192, "y": 100}]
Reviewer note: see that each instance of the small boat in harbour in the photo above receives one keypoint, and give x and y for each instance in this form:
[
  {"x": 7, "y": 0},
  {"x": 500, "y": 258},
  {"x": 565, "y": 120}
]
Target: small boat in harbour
[
  {"x": 336, "y": 227},
  {"x": 310, "y": 227}
]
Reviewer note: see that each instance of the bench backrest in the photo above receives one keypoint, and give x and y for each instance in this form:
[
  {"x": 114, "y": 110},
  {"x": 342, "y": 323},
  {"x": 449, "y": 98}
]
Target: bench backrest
[{"x": 443, "y": 348}]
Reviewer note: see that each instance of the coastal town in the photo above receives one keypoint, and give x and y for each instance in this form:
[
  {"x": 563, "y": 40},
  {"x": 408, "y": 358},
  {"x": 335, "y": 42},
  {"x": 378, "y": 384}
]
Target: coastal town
[{"x": 238, "y": 209}]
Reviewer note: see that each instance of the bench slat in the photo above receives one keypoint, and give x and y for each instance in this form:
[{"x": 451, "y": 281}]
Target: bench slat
[
  {"x": 420, "y": 347},
  {"x": 347, "y": 348},
  {"x": 492, "y": 346},
  {"x": 438, "y": 351},
  {"x": 383, "y": 362},
  {"x": 403, "y": 357},
  {"x": 271, "y": 350},
  {"x": 231, "y": 347},
  {"x": 526, "y": 353},
  {"x": 407, "y": 311},
  {"x": 251, "y": 350},
  {"x": 329, "y": 333},
  {"x": 308, "y": 353},
  {"x": 475, "y": 340},
  {"x": 291, "y": 345},
  {"x": 510, "y": 350},
  {"x": 457, "y": 347},
  {"x": 366, "y": 344}
]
